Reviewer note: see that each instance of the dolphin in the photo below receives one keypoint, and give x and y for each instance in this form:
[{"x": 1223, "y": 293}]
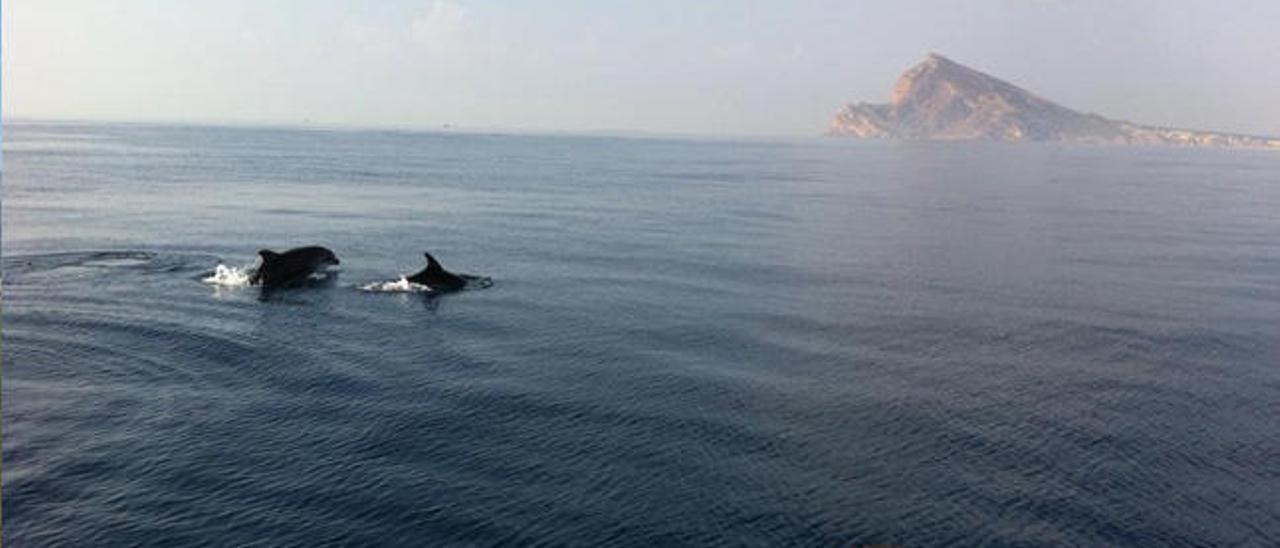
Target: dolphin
[
  {"x": 437, "y": 278},
  {"x": 292, "y": 266}
]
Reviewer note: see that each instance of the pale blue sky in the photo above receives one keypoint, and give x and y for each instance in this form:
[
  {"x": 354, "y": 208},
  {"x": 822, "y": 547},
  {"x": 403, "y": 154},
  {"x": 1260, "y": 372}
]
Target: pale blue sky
[{"x": 668, "y": 66}]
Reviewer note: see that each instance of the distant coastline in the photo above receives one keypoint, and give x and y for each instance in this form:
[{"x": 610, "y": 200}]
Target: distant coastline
[{"x": 941, "y": 99}]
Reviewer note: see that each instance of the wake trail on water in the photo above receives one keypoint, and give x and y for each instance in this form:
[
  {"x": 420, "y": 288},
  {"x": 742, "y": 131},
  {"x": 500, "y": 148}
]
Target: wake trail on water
[
  {"x": 230, "y": 276},
  {"x": 239, "y": 276},
  {"x": 403, "y": 285}
]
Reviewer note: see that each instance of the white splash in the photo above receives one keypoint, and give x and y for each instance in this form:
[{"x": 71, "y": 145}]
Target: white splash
[
  {"x": 230, "y": 276},
  {"x": 399, "y": 286}
]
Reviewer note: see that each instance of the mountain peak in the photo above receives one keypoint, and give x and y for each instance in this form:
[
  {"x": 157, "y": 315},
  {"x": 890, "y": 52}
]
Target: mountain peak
[
  {"x": 941, "y": 99},
  {"x": 939, "y": 79},
  {"x": 937, "y": 58},
  {"x": 937, "y": 62}
]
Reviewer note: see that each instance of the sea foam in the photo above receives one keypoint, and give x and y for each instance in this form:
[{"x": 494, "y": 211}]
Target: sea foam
[
  {"x": 399, "y": 286},
  {"x": 230, "y": 276}
]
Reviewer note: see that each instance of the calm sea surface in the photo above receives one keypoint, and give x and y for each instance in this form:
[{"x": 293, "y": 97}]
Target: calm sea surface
[{"x": 687, "y": 342}]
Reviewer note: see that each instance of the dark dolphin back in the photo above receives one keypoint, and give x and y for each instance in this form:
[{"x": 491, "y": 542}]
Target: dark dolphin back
[
  {"x": 436, "y": 277},
  {"x": 292, "y": 265}
]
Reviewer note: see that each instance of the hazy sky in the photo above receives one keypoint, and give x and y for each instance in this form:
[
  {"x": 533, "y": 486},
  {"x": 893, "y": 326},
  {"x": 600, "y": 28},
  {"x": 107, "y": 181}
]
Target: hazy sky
[{"x": 779, "y": 67}]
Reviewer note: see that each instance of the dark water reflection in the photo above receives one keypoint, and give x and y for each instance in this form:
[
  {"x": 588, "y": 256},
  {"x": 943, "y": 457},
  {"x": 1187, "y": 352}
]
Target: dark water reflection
[{"x": 686, "y": 342}]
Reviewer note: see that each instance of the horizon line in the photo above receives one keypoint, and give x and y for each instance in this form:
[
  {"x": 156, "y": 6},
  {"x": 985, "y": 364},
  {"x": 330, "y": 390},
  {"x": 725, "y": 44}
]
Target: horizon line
[{"x": 306, "y": 124}]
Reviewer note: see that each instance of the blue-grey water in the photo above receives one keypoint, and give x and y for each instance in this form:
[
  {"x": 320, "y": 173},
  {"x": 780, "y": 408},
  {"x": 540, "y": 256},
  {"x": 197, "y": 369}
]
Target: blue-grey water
[{"x": 687, "y": 342}]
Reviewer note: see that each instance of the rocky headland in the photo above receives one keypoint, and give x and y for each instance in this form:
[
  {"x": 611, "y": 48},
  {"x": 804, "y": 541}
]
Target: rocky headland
[{"x": 942, "y": 99}]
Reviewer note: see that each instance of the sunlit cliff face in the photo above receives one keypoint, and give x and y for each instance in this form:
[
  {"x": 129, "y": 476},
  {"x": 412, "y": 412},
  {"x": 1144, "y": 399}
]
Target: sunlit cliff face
[{"x": 941, "y": 99}]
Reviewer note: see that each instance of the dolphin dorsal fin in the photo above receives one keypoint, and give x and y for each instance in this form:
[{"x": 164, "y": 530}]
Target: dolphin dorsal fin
[{"x": 433, "y": 266}]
